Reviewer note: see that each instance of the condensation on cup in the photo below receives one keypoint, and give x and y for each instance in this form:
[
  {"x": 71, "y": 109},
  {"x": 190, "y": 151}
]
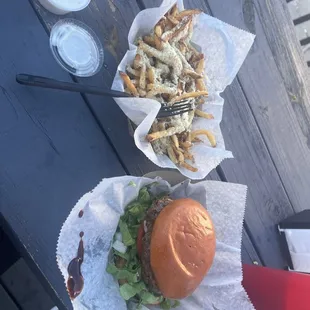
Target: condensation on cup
[{"x": 61, "y": 7}]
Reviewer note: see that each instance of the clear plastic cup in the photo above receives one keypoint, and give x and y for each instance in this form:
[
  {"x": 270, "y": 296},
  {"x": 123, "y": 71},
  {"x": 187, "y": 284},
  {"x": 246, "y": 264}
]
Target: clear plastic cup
[
  {"x": 61, "y": 7},
  {"x": 76, "y": 47}
]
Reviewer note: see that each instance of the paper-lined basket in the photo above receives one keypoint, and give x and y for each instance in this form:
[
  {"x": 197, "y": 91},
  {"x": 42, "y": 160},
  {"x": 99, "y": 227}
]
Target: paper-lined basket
[{"x": 225, "y": 48}]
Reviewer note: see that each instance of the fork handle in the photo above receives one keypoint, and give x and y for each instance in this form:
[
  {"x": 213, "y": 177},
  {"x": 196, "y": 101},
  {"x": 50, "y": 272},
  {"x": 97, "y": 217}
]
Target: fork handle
[{"x": 40, "y": 81}]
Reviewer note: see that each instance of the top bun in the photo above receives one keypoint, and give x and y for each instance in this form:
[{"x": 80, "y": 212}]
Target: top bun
[{"x": 182, "y": 247}]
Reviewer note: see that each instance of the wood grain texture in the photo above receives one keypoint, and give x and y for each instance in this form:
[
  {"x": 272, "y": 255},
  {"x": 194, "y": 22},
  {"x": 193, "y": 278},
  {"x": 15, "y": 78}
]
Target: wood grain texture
[
  {"x": 248, "y": 251},
  {"x": 267, "y": 201},
  {"x": 52, "y": 150},
  {"x": 111, "y": 21},
  {"x": 277, "y": 89}
]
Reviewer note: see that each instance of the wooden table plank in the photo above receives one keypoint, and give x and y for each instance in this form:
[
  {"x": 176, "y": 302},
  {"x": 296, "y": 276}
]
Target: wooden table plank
[
  {"x": 276, "y": 83},
  {"x": 267, "y": 201},
  {"x": 52, "y": 150}
]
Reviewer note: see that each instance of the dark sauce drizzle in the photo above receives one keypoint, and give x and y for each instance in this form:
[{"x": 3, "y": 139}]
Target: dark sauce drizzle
[{"x": 75, "y": 281}]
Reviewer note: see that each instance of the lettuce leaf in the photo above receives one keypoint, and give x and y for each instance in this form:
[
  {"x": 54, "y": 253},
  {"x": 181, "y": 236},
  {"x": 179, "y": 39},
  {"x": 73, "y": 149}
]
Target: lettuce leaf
[
  {"x": 144, "y": 195},
  {"x": 128, "y": 226},
  {"x": 127, "y": 291},
  {"x": 124, "y": 274},
  {"x": 167, "y": 304},
  {"x": 149, "y": 298},
  {"x": 130, "y": 290},
  {"x": 126, "y": 236}
]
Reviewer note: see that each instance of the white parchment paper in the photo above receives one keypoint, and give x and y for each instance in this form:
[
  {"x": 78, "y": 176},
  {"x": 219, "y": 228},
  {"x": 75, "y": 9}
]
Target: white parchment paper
[
  {"x": 220, "y": 290},
  {"x": 225, "y": 48}
]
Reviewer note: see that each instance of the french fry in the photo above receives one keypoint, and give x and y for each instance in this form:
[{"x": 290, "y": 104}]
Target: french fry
[
  {"x": 160, "y": 134},
  {"x": 133, "y": 72},
  {"x": 188, "y": 137},
  {"x": 175, "y": 141},
  {"x": 160, "y": 89},
  {"x": 205, "y": 132},
  {"x": 158, "y": 42},
  {"x": 200, "y": 66},
  {"x": 190, "y": 95},
  {"x": 149, "y": 40},
  {"x": 200, "y": 85},
  {"x": 186, "y": 144},
  {"x": 151, "y": 75},
  {"x": 183, "y": 47},
  {"x": 171, "y": 155},
  {"x": 171, "y": 60},
  {"x": 163, "y": 68},
  {"x": 192, "y": 74},
  {"x": 180, "y": 155},
  {"x": 132, "y": 89},
  {"x": 137, "y": 61},
  {"x": 168, "y": 26},
  {"x": 188, "y": 166},
  {"x": 142, "y": 80},
  {"x": 203, "y": 114},
  {"x": 158, "y": 30},
  {"x": 181, "y": 33},
  {"x": 142, "y": 92},
  {"x": 174, "y": 10},
  {"x": 188, "y": 155},
  {"x": 185, "y": 13},
  {"x": 173, "y": 20},
  {"x": 149, "y": 86},
  {"x": 196, "y": 55}
]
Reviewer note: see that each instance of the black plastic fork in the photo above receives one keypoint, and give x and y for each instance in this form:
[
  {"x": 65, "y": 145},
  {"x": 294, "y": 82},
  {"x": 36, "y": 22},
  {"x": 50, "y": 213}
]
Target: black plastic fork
[{"x": 44, "y": 82}]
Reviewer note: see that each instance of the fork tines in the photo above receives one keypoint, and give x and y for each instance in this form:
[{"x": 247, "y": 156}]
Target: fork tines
[{"x": 176, "y": 109}]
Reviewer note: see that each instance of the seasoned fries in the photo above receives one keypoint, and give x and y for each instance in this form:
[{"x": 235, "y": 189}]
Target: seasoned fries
[
  {"x": 204, "y": 114},
  {"x": 130, "y": 86},
  {"x": 169, "y": 69}
]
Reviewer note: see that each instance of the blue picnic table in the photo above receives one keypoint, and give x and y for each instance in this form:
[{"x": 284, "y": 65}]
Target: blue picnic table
[{"x": 55, "y": 146}]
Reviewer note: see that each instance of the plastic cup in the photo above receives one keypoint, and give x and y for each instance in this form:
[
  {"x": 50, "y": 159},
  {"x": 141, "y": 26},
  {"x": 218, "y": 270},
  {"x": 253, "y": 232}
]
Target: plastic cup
[
  {"x": 76, "y": 47},
  {"x": 61, "y": 7}
]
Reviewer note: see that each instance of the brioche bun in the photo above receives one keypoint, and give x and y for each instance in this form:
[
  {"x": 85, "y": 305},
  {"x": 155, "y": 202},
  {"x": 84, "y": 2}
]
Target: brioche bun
[{"x": 182, "y": 247}]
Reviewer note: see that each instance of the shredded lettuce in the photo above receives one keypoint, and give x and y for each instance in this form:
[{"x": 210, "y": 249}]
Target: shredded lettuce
[
  {"x": 132, "y": 183},
  {"x": 128, "y": 291},
  {"x": 167, "y": 304},
  {"x": 134, "y": 289},
  {"x": 149, "y": 298},
  {"x": 122, "y": 255},
  {"x": 126, "y": 236},
  {"x": 122, "y": 274},
  {"x": 144, "y": 195}
]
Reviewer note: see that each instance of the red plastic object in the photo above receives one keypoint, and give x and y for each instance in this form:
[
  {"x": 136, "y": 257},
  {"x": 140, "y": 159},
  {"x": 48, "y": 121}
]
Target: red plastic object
[{"x": 272, "y": 289}]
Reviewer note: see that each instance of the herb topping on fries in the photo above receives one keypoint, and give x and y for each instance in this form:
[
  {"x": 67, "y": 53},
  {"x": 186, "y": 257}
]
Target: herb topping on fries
[{"x": 168, "y": 68}]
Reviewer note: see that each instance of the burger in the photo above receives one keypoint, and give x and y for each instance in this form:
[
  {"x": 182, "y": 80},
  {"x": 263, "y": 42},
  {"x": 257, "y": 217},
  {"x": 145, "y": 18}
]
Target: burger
[{"x": 162, "y": 249}]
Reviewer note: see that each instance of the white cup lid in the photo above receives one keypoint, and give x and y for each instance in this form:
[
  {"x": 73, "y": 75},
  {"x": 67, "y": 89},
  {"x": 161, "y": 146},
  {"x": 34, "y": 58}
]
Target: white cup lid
[
  {"x": 70, "y": 5},
  {"x": 76, "y": 47}
]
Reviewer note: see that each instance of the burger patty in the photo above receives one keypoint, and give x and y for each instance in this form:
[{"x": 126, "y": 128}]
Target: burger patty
[{"x": 149, "y": 220}]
